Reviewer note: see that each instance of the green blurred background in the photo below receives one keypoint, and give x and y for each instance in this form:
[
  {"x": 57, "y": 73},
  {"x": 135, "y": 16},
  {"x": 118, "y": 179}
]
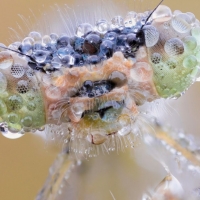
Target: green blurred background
[{"x": 24, "y": 163}]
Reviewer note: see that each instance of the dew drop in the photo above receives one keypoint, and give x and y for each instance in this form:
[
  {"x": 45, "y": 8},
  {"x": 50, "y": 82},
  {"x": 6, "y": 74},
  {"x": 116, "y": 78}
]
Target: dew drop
[
  {"x": 151, "y": 36},
  {"x": 31, "y": 106},
  {"x": 125, "y": 123},
  {"x": 162, "y": 14},
  {"x": 17, "y": 70},
  {"x": 6, "y": 60},
  {"x": 180, "y": 25},
  {"x": 36, "y": 36},
  {"x": 46, "y": 40},
  {"x": 40, "y": 56},
  {"x": 130, "y": 19},
  {"x": 15, "y": 102},
  {"x": 117, "y": 22},
  {"x": 27, "y": 121},
  {"x": 190, "y": 62},
  {"x": 102, "y": 26},
  {"x": 190, "y": 43},
  {"x": 22, "y": 87},
  {"x": 156, "y": 58},
  {"x": 13, "y": 118},
  {"x": 83, "y": 29},
  {"x": 174, "y": 47}
]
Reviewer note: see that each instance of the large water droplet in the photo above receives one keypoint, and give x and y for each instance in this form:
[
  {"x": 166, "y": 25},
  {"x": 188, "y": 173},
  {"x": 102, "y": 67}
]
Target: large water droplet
[
  {"x": 130, "y": 19},
  {"x": 22, "y": 86},
  {"x": 174, "y": 47},
  {"x": 97, "y": 137},
  {"x": 36, "y": 36},
  {"x": 117, "y": 22},
  {"x": 40, "y": 56},
  {"x": 77, "y": 110},
  {"x": 7, "y": 133},
  {"x": 151, "y": 35},
  {"x": 162, "y": 14},
  {"x": 102, "y": 26},
  {"x": 190, "y": 43},
  {"x": 180, "y": 25},
  {"x": 27, "y": 121},
  {"x": 17, "y": 70},
  {"x": 125, "y": 124},
  {"x": 190, "y": 62},
  {"x": 170, "y": 187},
  {"x": 6, "y": 60},
  {"x": 15, "y": 102},
  {"x": 83, "y": 29},
  {"x": 13, "y": 118}
]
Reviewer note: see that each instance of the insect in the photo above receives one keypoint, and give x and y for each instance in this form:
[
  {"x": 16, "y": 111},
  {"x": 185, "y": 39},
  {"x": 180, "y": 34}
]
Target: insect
[{"x": 86, "y": 89}]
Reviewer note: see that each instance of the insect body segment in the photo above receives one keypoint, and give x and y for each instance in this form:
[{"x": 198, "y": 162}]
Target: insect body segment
[
  {"x": 22, "y": 106},
  {"x": 174, "y": 56},
  {"x": 89, "y": 85}
]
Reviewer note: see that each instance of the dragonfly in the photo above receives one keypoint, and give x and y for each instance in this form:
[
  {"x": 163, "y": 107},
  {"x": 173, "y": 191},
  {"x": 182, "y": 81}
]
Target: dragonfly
[{"x": 86, "y": 89}]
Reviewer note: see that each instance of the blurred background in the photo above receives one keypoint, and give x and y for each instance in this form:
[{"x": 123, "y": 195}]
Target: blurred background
[{"x": 24, "y": 163}]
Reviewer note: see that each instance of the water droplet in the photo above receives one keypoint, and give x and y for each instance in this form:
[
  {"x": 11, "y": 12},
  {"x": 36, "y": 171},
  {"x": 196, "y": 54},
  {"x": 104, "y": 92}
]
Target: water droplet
[
  {"x": 36, "y": 36},
  {"x": 27, "y": 121},
  {"x": 156, "y": 58},
  {"x": 77, "y": 110},
  {"x": 7, "y": 133},
  {"x": 180, "y": 25},
  {"x": 30, "y": 73},
  {"x": 118, "y": 78},
  {"x": 56, "y": 63},
  {"x": 40, "y": 56},
  {"x": 125, "y": 124},
  {"x": 174, "y": 47},
  {"x": 151, "y": 35},
  {"x": 17, "y": 70},
  {"x": 171, "y": 187},
  {"x": 28, "y": 41},
  {"x": 162, "y": 14},
  {"x": 13, "y": 118},
  {"x": 2, "y": 45},
  {"x": 97, "y": 137},
  {"x": 196, "y": 33},
  {"x": 54, "y": 38},
  {"x": 22, "y": 86},
  {"x": 102, "y": 26},
  {"x": 117, "y": 22},
  {"x": 91, "y": 43},
  {"x": 46, "y": 40},
  {"x": 190, "y": 62},
  {"x": 15, "y": 102},
  {"x": 190, "y": 43},
  {"x": 130, "y": 19},
  {"x": 6, "y": 60},
  {"x": 31, "y": 106},
  {"x": 83, "y": 29}
]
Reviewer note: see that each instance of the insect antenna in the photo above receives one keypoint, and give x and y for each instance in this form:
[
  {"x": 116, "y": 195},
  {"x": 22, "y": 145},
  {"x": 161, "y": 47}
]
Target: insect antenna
[
  {"x": 151, "y": 14},
  {"x": 31, "y": 58}
]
